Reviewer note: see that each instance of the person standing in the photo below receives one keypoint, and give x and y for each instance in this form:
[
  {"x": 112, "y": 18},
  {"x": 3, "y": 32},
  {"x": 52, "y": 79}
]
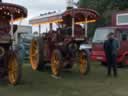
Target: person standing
[{"x": 111, "y": 51}]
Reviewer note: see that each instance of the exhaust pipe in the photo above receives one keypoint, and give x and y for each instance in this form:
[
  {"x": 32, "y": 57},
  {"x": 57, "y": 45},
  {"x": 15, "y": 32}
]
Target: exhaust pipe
[{"x": 69, "y": 4}]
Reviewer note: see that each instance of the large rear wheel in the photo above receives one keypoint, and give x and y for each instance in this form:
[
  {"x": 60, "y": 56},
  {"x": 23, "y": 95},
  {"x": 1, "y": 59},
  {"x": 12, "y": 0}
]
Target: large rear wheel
[
  {"x": 14, "y": 69},
  {"x": 84, "y": 63},
  {"x": 56, "y": 61}
]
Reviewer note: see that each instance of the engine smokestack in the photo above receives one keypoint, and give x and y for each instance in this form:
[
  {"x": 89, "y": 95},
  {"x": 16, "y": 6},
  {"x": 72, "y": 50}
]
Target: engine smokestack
[{"x": 69, "y": 4}]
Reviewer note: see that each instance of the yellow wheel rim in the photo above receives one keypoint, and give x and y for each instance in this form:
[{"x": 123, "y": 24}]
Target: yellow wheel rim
[
  {"x": 83, "y": 63},
  {"x": 34, "y": 55},
  {"x": 13, "y": 70},
  {"x": 55, "y": 63}
]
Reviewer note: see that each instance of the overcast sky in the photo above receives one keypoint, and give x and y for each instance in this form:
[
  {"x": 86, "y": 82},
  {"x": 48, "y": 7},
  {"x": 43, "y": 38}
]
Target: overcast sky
[{"x": 36, "y": 7}]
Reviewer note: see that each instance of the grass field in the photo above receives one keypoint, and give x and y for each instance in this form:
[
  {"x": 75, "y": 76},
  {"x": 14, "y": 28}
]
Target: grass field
[{"x": 94, "y": 84}]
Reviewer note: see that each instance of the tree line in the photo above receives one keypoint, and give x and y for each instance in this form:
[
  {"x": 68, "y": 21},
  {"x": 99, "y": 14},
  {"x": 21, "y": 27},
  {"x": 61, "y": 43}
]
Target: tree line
[{"x": 105, "y": 8}]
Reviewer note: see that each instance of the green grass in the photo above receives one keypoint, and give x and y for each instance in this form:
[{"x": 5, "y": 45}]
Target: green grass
[{"x": 94, "y": 84}]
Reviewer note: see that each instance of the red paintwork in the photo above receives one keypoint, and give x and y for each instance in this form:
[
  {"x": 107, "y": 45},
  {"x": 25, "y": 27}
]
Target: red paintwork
[
  {"x": 62, "y": 37},
  {"x": 80, "y": 14},
  {"x": 16, "y": 10},
  {"x": 98, "y": 51},
  {"x": 6, "y": 10},
  {"x": 114, "y": 18}
]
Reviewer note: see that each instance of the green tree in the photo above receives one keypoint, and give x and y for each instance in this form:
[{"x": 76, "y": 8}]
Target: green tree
[{"x": 105, "y": 8}]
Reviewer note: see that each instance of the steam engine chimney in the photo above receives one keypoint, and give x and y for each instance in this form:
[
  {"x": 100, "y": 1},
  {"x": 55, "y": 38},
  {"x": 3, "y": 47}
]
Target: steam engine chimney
[{"x": 69, "y": 4}]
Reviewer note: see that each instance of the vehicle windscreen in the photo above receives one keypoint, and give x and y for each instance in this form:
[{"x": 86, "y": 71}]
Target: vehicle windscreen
[{"x": 101, "y": 35}]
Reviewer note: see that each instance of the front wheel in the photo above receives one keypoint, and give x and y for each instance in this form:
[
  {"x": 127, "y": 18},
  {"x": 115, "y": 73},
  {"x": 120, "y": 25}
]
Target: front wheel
[
  {"x": 34, "y": 54},
  {"x": 84, "y": 63},
  {"x": 56, "y": 61},
  {"x": 14, "y": 69}
]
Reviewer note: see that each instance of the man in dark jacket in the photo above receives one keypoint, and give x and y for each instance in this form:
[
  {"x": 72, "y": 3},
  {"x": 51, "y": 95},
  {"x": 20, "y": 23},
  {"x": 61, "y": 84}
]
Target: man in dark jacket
[{"x": 111, "y": 49}]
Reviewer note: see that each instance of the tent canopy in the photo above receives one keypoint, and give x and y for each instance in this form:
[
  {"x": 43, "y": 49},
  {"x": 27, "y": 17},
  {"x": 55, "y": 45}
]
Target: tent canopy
[{"x": 80, "y": 14}]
